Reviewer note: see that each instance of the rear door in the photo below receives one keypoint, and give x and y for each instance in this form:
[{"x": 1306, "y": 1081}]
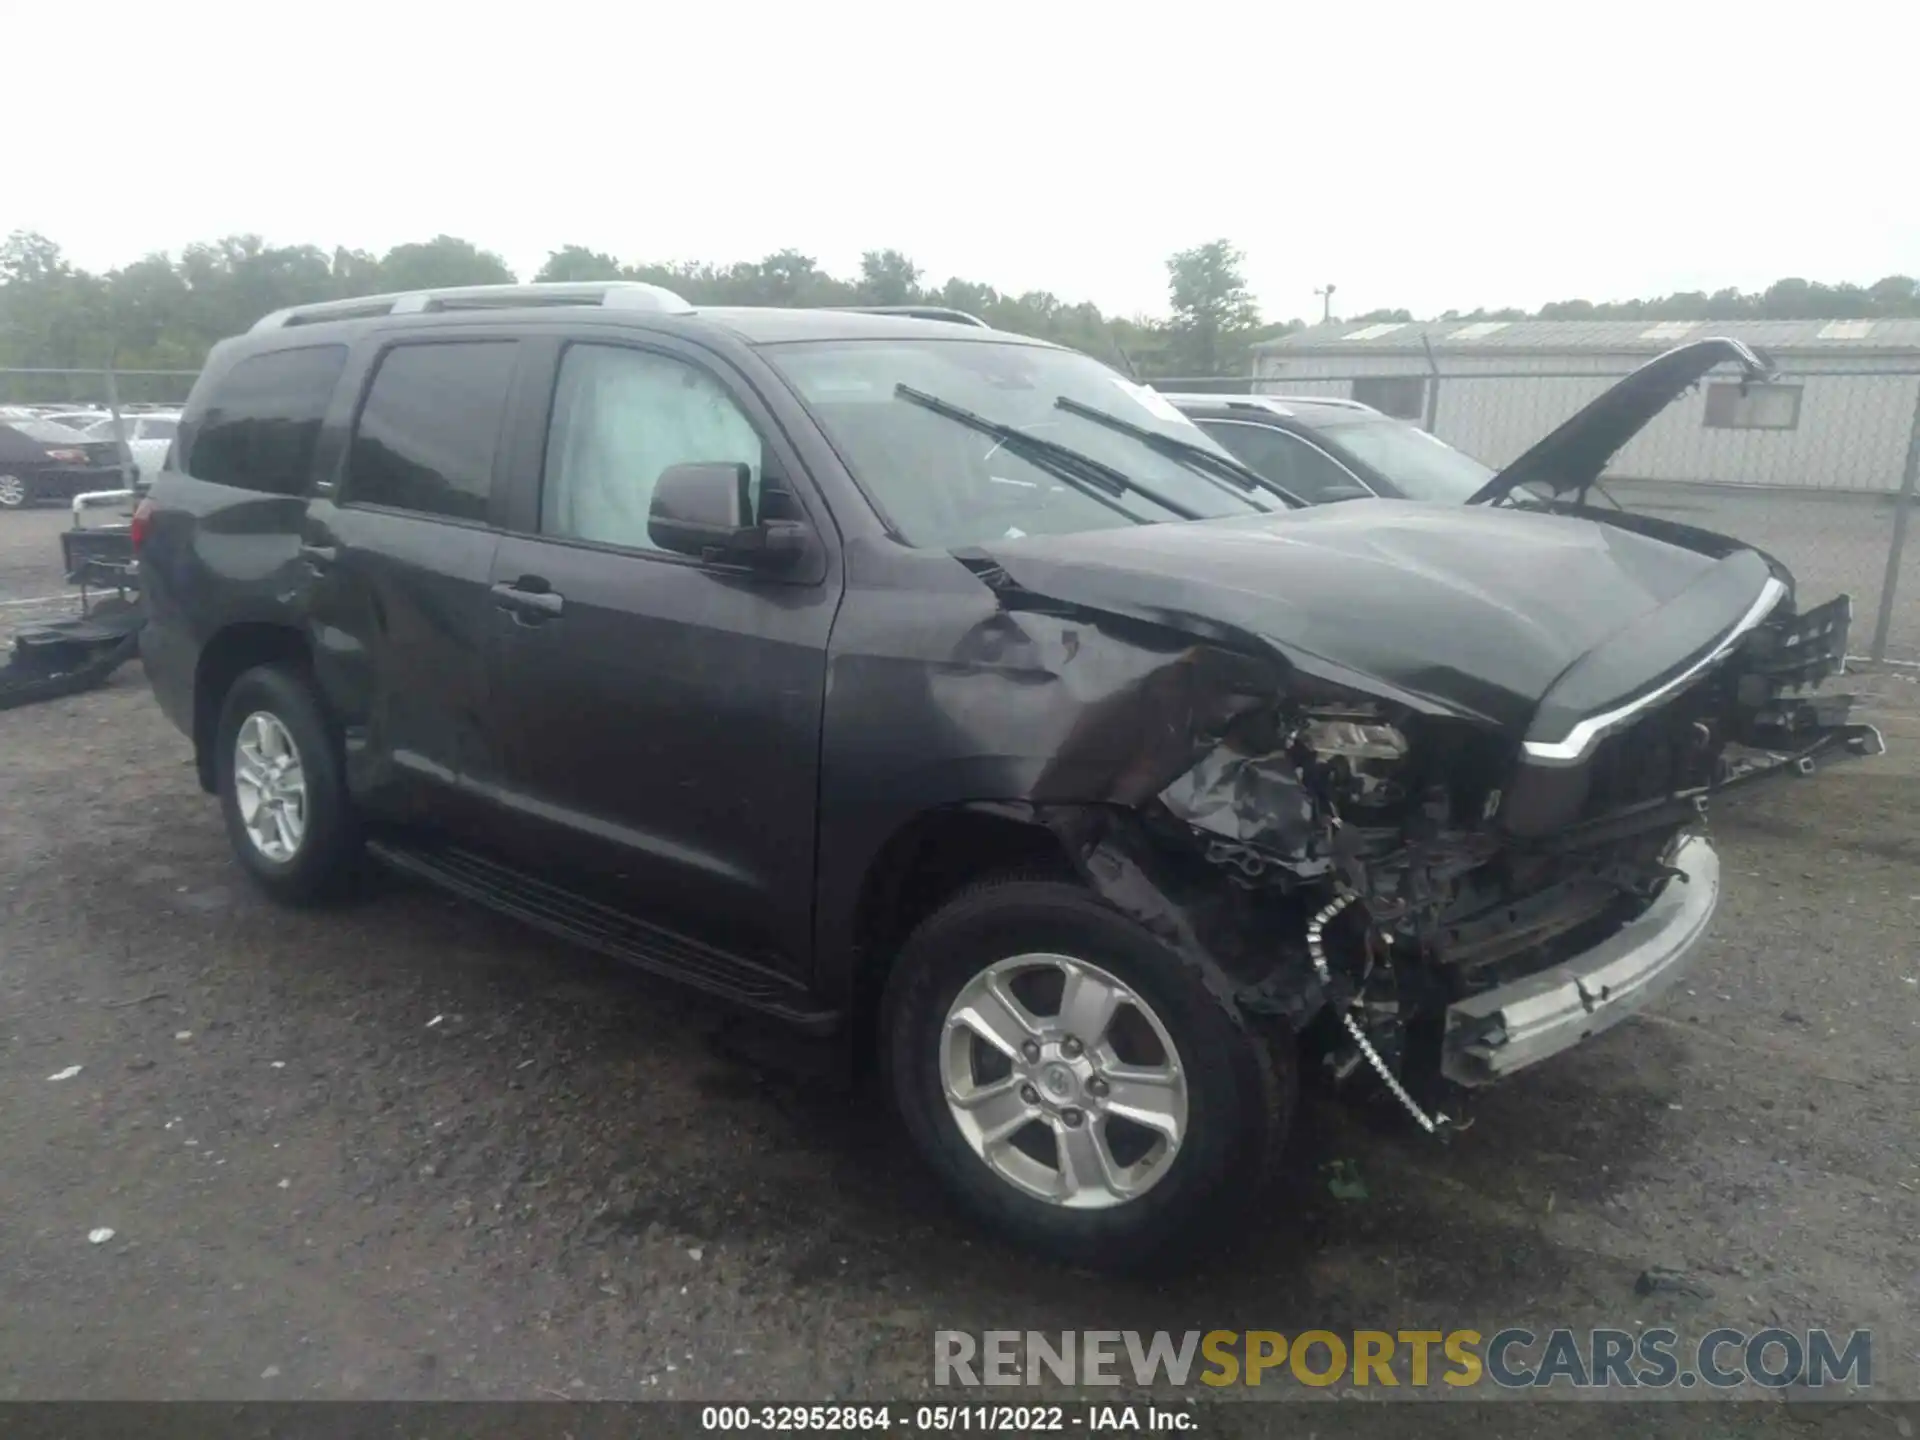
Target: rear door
[
  {"x": 658, "y": 719},
  {"x": 401, "y": 543}
]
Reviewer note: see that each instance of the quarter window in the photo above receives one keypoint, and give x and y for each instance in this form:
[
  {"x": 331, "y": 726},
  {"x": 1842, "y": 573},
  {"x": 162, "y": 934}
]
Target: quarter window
[
  {"x": 427, "y": 433},
  {"x": 259, "y": 429},
  {"x": 620, "y": 418}
]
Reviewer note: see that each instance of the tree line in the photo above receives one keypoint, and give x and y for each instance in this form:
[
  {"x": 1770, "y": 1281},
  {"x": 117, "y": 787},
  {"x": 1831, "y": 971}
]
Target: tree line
[{"x": 163, "y": 312}]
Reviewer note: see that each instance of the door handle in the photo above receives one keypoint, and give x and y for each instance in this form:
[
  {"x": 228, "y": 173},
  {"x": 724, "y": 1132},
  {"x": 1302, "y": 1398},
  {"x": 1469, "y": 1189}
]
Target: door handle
[
  {"x": 531, "y": 604},
  {"x": 318, "y": 555}
]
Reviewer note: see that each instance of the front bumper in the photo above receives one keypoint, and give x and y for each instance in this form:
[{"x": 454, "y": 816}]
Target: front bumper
[{"x": 1506, "y": 1029}]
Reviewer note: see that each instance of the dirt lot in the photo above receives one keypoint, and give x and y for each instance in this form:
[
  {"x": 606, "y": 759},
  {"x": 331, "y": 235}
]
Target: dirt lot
[{"x": 404, "y": 1150}]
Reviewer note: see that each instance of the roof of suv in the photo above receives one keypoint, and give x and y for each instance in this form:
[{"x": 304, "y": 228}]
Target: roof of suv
[{"x": 615, "y": 300}]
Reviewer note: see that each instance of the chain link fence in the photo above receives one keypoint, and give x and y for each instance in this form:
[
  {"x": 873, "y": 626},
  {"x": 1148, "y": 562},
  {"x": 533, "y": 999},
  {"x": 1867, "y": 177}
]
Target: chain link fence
[
  {"x": 1818, "y": 467},
  {"x": 1819, "y": 470}
]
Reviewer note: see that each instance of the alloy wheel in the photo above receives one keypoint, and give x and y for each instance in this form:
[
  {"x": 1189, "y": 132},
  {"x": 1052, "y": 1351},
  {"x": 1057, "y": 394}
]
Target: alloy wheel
[
  {"x": 1063, "y": 1081},
  {"x": 270, "y": 786}
]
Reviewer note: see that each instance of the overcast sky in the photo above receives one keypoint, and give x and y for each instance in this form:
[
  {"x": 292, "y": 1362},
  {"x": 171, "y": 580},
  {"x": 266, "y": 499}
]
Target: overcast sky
[{"x": 1428, "y": 155}]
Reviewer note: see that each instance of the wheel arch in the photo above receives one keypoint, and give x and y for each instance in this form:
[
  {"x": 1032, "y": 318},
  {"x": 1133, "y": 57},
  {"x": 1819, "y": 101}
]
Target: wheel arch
[
  {"x": 232, "y": 652},
  {"x": 929, "y": 859}
]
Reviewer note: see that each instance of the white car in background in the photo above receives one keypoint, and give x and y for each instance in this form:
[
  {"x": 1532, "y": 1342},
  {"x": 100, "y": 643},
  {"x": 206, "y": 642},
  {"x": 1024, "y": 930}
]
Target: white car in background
[
  {"x": 75, "y": 419},
  {"x": 147, "y": 436}
]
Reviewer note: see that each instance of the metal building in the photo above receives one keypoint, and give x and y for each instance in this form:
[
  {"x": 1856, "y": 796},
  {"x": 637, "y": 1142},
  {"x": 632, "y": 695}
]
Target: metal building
[{"x": 1842, "y": 415}]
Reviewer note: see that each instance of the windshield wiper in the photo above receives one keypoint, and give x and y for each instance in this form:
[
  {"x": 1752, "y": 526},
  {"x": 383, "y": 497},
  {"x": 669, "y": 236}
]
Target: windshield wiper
[
  {"x": 1086, "y": 474},
  {"x": 1196, "y": 457}
]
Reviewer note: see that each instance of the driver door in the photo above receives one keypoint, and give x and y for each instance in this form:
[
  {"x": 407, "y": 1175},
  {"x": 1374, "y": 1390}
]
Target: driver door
[{"x": 656, "y": 719}]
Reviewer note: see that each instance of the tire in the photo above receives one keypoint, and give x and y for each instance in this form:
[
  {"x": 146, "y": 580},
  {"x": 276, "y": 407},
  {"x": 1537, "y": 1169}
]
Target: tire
[
  {"x": 14, "y": 494},
  {"x": 326, "y": 852},
  {"x": 1238, "y": 1092}
]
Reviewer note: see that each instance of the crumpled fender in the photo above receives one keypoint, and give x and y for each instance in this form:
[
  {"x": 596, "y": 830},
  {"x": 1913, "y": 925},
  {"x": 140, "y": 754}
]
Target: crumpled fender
[{"x": 1243, "y": 944}]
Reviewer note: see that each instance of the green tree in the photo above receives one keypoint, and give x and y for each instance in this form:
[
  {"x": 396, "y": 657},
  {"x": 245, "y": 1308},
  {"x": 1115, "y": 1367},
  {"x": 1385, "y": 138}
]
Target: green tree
[
  {"x": 888, "y": 278},
  {"x": 576, "y": 262},
  {"x": 442, "y": 261},
  {"x": 1213, "y": 311}
]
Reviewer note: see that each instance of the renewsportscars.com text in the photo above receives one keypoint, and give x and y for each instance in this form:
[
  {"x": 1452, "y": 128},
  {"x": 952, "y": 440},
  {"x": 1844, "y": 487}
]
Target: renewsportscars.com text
[{"x": 1514, "y": 1359}]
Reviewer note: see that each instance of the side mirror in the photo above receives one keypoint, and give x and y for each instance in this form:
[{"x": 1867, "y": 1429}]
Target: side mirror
[{"x": 705, "y": 509}]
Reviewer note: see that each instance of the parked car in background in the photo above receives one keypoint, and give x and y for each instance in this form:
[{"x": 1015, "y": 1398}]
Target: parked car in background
[
  {"x": 1322, "y": 449},
  {"x": 41, "y": 461},
  {"x": 147, "y": 435},
  {"x": 941, "y": 690},
  {"x": 78, "y": 418}
]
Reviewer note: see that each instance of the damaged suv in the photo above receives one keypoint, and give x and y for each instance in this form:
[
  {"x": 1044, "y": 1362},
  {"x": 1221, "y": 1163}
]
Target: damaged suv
[{"x": 942, "y": 690}]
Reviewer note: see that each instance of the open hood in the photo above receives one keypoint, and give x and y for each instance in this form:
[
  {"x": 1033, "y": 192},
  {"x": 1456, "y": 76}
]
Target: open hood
[{"x": 1572, "y": 457}]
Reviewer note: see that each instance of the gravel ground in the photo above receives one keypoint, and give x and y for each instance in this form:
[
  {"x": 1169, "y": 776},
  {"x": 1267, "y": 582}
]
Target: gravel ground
[{"x": 403, "y": 1149}]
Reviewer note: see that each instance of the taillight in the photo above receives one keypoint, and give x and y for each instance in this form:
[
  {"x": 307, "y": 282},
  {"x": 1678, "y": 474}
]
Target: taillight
[
  {"x": 137, "y": 531},
  {"x": 68, "y": 457}
]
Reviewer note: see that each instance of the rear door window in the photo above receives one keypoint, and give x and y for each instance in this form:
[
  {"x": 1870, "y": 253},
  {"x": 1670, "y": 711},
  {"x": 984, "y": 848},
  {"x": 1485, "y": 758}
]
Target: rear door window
[
  {"x": 259, "y": 429},
  {"x": 430, "y": 428}
]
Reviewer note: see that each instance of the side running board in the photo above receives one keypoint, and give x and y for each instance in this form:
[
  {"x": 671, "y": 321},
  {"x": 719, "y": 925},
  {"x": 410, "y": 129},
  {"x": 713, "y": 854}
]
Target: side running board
[{"x": 612, "y": 932}]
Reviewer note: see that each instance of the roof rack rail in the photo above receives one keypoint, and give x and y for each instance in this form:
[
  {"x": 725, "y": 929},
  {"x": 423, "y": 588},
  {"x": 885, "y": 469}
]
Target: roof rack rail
[
  {"x": 918, "y": 312},
  {"x": 1264, "y": 401},
  {"x": 611, "y": 294}
]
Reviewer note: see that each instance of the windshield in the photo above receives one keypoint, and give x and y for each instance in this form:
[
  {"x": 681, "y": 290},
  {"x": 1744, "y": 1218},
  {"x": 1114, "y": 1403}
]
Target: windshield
[
  {"x": 1412, "y": 461},
  {"x": 943, "y": 483}
]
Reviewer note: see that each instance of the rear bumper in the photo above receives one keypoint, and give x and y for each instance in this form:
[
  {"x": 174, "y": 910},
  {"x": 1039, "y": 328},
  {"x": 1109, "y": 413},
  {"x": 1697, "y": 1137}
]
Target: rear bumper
[
  {"x": 170, "y": 659},
  {"x": 1507, "y": 1029}
]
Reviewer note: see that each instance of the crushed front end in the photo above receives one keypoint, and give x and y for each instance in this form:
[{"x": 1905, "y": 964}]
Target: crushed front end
[{"x": 1468, "y": 906}]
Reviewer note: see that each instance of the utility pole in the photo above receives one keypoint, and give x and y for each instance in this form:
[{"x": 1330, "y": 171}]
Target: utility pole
[{"x": 1325, "y": 293}]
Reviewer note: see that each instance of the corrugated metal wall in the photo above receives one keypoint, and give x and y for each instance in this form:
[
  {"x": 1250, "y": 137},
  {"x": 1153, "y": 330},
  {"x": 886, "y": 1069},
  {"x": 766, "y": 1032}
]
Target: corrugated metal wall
[{"x": 1852, "y": 433}]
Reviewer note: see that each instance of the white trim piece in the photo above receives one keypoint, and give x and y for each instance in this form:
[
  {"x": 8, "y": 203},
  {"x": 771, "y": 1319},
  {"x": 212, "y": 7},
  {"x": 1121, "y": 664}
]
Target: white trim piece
[{"x": 1581, "y": 738}]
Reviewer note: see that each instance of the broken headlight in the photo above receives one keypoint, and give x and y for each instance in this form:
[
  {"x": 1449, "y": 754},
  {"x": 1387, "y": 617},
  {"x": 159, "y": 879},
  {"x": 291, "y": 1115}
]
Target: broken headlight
[{"x": 1359, "y": 755}]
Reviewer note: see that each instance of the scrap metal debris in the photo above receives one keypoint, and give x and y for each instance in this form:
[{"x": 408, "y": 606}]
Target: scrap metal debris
[
  {"x": 1344, "y": 1182},
  {"x": 1663, "y": 1280}
]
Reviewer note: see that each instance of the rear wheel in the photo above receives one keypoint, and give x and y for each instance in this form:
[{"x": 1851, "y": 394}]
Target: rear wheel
[
  {"x": 1077, "y": 1084},
  {"x": 13, "y": 492},
  {"x": 281, "y": 789}
]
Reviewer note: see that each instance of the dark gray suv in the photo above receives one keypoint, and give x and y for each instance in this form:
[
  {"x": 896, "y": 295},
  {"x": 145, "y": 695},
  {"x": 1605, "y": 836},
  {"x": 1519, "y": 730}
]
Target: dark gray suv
[{"x": 944, "y": 692}]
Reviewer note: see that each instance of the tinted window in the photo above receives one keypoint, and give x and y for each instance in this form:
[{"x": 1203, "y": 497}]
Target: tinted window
[
  {"x": 1287, "y": 461},
  {"x": 428, "y": 429},
  {"x": 259, "y": 429},
  {"x": 620, "y": 417}
]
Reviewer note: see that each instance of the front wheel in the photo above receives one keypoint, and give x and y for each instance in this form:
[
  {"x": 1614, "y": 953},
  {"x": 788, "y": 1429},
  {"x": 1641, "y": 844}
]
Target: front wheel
[
  {"x": 1078, "y": 1085},
  {"x": 281, "y": 788}
]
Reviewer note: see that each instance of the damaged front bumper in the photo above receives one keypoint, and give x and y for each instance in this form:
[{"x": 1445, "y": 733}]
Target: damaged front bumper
[{"x": 1493, "y": 1034}]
